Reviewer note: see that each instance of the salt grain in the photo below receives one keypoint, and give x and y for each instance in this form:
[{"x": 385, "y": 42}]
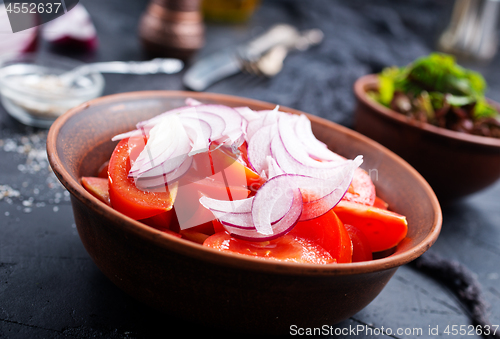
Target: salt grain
[
  {"x": 30, "y": 158},
  {"x": 493, "y": 276},
  {"x": 7, "y": 191}
]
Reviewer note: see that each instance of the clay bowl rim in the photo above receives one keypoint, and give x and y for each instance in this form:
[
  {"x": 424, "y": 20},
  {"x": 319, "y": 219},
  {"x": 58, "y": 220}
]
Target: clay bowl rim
[
  {"x": 213, "y": 256},
  {"x": 370, "y": 81}
]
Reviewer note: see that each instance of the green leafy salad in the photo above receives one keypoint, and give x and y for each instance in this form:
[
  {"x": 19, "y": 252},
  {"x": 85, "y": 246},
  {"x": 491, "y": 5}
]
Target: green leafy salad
[{"x": 434, "y": 89}]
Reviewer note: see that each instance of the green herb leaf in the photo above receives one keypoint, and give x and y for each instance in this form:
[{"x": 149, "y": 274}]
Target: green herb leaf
[
  {"x": 483, "y": 109},
  {"x": 456, "y": 100},
  {"x": 436, "y": 80}
]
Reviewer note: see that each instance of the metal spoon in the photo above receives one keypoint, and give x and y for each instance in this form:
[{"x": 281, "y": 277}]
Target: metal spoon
[{"x": 159, "y": 65}]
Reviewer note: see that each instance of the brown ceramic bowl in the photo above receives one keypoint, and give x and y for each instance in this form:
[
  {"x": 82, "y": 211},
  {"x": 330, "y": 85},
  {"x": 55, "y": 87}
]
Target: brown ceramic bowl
[
  {"x": 221, "y": 289},
  {"x": 455, "y": 164}
]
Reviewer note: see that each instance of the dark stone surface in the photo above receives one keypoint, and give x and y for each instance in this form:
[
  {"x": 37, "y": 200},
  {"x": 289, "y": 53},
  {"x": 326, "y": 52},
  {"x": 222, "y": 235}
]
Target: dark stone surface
[{"x": 50, "y": 288}]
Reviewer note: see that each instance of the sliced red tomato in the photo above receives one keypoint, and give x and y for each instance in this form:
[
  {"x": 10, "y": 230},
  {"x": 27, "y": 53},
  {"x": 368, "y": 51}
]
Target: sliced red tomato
[
  {"x": 189, "y": 211},
  {"x": 384, "y": 229},
  {"x": 216, "y": 174},
  {"x": 361, "y": 250},
  {"x": 217, "y": 226},
  {"x": 362, "y": 189},
  {"x": 379, "y": 203},
  {"x": 224, "y": 166},
  {"x": 160, "y": 221},
  {"x": 125, "y": 197},
  {"x": 290, "y": 248},
  {"x": 102, "y": 172},
  {"x": 329, "y": 232},
  {"x": 194, "y": 236},
  {"x": 98, "y": 187}
]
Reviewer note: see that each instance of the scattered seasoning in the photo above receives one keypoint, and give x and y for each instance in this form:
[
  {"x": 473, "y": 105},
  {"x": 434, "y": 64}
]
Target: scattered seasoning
[
  {"x": 39, "y": 185},
  {"x": 7, "y": 191}
]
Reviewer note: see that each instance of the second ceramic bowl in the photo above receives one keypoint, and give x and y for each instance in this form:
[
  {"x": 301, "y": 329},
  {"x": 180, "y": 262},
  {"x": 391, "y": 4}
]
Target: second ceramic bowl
[{"x": 455, "y": 164}]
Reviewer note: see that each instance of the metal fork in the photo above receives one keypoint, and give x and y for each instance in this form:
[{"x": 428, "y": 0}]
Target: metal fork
[
  {"x": 271, "y": 63},
  {"x": 472, "y": 32}
]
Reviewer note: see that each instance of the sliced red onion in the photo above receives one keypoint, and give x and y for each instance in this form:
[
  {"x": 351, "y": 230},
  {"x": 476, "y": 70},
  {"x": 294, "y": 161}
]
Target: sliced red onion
[
  {"x": 273, "y": 168},
  {"x": 192, "y": 102},
  {"x": 161, "y": 145},
  {"x": 225, "y": 122},
  {"x": 237, "y": 220},
  {"x": 320, "y": 196},
  {"x": 274, "y": 198},
  {"x": 216, "y": 123},
  {"x": 293, "y": 146},
  {"x": 199, "y": 133},
  {"x": 148, "y": 183},
  {"x": 166, "y": 149},
  {"x": 237, "y": 213},
  {"x": 290, "y": 165},
  {"x": 315, "y": 148},
  {"x": 235, "y": 206},
  {"x": 283, "y": 226},
  {"x": 259, "y": 148},
  {"x": 145, "y": 126},
  {"x": 231, "y": 117},
  {"x": 15, "y": 44},
  {"x": 247, "y": 113},
  {"x": 73, "y": 30},
  {"x": 265, "y": 118},
  {"x": 303, "y": 129},
  {"x": 129, "y": 134},
  {"x": 252, "y": 127}
]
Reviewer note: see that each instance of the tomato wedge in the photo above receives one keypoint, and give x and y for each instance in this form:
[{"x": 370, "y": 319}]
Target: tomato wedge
[
  {"x": 329, "y": 232},
  {"x": 384, "y": 229},
  {"x": 380, "y": 203},
  {"x": 216, "y": 174},
  {"x": 224, "y": 166},
  {"x": 361, "y": 250},
  {"x": 362, "y": 189},
  {"x": 160, "y": 221},
  {"x": 194, "y": 236},
  {"x": 102, "y": 172},
  {"x": 217, "y": 226},
  {"x": 190, "y": 212},
  {"x": 125, "y": 197},
  {"x": 290, "y": 248},
  {"x": 98, "y": 187}
]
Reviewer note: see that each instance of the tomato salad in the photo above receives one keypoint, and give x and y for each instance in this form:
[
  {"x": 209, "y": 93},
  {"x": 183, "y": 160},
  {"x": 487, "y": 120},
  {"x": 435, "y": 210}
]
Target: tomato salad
[{"x": 255, "y": 183}]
